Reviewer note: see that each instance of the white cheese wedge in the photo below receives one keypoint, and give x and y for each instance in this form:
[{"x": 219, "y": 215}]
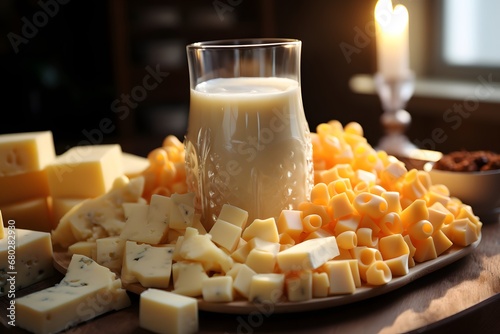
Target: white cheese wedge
[
  {"x": 165, "y": 312},
  {"x": 149, "y": 265},
  {"x": 32, "y": 262},
  {"x": 98, "y": 217},
  {"x": 309, "y": 254},
  {"x": 87, "y": 291}
]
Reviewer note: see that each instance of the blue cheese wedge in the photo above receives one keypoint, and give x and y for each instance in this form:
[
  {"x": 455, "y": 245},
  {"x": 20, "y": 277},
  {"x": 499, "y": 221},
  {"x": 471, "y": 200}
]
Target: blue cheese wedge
[{"x": 87, "y": 291}]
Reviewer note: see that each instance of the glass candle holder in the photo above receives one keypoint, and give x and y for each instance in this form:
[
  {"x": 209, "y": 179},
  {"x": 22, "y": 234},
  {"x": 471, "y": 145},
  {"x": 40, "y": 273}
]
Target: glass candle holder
[{"x": 248, "y": 142}]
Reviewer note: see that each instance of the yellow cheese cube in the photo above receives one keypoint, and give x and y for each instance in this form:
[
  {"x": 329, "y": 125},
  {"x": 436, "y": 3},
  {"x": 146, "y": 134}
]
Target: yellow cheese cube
[
  {"x": 320, "y": 284},
  {"x": 188, "y": 278},
  {"x": 424, "y": 250},
  {"x": 161, "y": 311},
  {"x": 265, "y": 229},
  {"x": 415, "y": 212},
  {"x": 290, "y": 222},
  {"x": 241, "y": 252},
  {"x": 217, "y": 289},
  {"x": 341, "y": 278},
  {"x": 299, "y": 287},
  {"x": 266, "y": 288},
  {"x": 85, "y": 171},
  {"x": 393, "y": 246},
  {"x": 398, "y": 265},
  {"x": 350, "y": 223},
  {"x": 243, "y": 279},
  {"x": 340, "y": 206},
  {"x": 225, "y": 234},
  {"x": 441, "y": 242},
  {"x": 463, "y": 232},
  {"x": 22, "y": 187},
  {"x": 25, "y": 152},
  {"x": 261, "y": 261},
  {"x": 319, "y": 194},
  {"x": 234, "y": 215}
]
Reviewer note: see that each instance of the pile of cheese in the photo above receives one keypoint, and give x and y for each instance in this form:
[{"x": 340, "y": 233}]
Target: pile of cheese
[{"x": 368, "y": 219}]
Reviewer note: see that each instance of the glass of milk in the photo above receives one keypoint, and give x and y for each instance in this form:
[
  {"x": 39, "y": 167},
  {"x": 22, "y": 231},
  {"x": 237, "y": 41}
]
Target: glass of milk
[{"x": 248, "y": 141}]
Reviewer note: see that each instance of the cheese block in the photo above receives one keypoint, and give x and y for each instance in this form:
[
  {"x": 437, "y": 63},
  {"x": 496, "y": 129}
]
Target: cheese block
[
  {"x": 87, "y": 291},
  {"x": 161, "y": 311},
  {"x": 29, "y": 262},
  {"x": 98, "y": 217},
  {"x": 309, "y": 254},
  {"x": 32, "y": 214},
  {"x": 149, "y": 265},
  {"x": 23, "y": 186},
  {"x": 25, "y": 152},
  {"x": 85, "y": 171}
]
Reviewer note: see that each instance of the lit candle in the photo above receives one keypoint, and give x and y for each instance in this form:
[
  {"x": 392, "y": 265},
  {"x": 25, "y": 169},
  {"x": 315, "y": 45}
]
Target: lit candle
[{"x": 392, "y": 39}]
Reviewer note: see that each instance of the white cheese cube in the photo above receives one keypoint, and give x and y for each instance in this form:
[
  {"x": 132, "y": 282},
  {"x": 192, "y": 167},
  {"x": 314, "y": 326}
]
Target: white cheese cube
[
  {"x": 225, "y": 234},
  {"x": 261, "y": 261},
  {"x": 165, "y": 312},
  {"x": 266, "y": 288},
  {"x": 188, "y": 278},
  {"x": 341, "y": 278},
  {"x": 299, "y": 287},
  {"x": 234, "y": 215},
  {"x": 243, "y": 279},
  {"x": 265, "y": 229},
  {"x": 309, "y": 254},
  {"x": 218, "y": 289},
  {"x": 109, "y": 252},
  {"x": 149, "y": 265},
  {"x": 33, "y": 258},
  {"x": 321, "y": 284}
]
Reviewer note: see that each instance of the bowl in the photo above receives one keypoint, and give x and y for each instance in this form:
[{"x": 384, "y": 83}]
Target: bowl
[{"x": 480, "y": 190}]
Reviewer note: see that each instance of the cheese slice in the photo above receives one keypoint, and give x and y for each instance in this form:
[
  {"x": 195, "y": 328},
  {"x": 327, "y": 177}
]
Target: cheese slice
[
  {"x": 85, "y": 171},
  {"x": 87, "y": 291},
  {"x": 25, "y": 152},
  {"x": 33, "y": 258}
]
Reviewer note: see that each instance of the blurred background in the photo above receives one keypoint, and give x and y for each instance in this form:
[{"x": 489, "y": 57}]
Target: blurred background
[{"x": 100, "y": 71}]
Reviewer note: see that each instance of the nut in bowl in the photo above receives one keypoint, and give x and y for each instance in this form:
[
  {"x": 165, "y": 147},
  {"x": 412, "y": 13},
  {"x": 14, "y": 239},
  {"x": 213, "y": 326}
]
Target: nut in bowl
[{"x": 478, "y": 187}]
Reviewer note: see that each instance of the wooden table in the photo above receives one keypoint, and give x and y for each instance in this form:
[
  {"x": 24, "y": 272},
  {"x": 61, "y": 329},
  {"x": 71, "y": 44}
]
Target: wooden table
[{"x": 463, "y": 297}]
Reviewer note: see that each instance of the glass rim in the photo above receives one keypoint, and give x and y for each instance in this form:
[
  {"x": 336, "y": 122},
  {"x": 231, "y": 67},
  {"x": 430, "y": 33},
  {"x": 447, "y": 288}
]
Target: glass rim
[{"x": 244, "y": 43}]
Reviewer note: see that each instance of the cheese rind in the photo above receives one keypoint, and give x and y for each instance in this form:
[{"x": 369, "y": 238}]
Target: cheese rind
[
  {"x": 87, "y": 291},
  {"x": 25, "y": 152}
]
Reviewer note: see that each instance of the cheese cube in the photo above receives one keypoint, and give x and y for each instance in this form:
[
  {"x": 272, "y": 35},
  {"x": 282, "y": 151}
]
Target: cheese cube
[
  {"x": 218, "y": 289},
  {"x": 87, "y": 291},
  {"x": 149, "y": 265},
  {"x": 398, "y": 265},
  {"x": 243, "y": 279},
  {"x": 341, "y": 278},
  {"x": 225, "y": 234},
  {"x": 234, "y": 215},
  {"x": 266, "y": 288},
  {"x": 60, "y": 206},
  {"x": 85, "y": 171},
  {"x": 261, "y": 261},
  {"x": 23, "y": 186},
  {"x": 161, "y": 311},
  {"x": 265, "y": 229},
  {"x": 133, "y": 165},
  {"x": 320, "y": 284},
  {"x": 146, "y": 222},
  {"x": 25, "y": 152},
  {"x": 392, "y": 246},
  {"x": 299, "y": 287},
  {"x": 109, "y": 252},
  {"x": 181, "y": 211},
  {"x": 290, "y": 222},
  {"x": 188, "y": 278},
  {"x": 33, "y": 257},
  {"x": 309, "y": 254}
]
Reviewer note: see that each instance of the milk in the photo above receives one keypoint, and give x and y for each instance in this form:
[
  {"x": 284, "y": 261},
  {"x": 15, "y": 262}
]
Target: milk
[{"x": 248, "y": 145}]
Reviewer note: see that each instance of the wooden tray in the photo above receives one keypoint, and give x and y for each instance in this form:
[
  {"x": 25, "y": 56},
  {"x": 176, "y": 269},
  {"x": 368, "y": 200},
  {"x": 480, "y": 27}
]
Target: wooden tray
[{"x": 62, "y": 259}]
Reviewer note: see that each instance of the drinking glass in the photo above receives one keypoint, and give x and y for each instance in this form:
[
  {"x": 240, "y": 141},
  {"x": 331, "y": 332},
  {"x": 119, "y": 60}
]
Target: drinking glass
[{"x": 248, "y": 142}]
